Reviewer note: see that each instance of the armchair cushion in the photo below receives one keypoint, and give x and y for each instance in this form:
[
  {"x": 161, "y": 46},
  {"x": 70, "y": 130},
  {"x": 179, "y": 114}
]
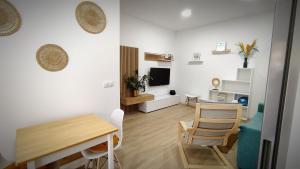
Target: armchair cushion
[{"x": 249, "y": 142}]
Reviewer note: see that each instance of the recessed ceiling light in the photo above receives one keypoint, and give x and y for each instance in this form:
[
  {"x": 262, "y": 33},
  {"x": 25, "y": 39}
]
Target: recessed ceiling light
[{"x": 186, "y": 13}]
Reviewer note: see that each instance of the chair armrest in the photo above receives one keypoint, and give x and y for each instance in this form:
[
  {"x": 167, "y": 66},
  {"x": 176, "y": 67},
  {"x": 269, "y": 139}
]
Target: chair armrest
[{"x": 184, "y": 126}]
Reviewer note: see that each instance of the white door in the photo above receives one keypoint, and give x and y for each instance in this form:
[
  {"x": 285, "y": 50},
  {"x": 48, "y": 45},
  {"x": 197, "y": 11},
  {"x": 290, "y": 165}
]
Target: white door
[{"x": 281, "y": 90}]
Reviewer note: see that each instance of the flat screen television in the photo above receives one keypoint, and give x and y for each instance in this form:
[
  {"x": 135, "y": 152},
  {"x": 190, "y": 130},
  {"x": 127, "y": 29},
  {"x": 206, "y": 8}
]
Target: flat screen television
[{"x": 159, "y": 76}]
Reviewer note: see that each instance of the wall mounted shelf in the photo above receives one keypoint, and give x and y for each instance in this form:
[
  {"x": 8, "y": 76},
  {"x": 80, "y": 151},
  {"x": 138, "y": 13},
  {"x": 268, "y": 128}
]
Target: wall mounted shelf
[
  {"x": 229, "y": 92},
  {"x": 157, "y": 57},
  {"x": 227, "y": 51},
  {"x": 127, "y": 101},
  {"x": 195, "y": 62}
]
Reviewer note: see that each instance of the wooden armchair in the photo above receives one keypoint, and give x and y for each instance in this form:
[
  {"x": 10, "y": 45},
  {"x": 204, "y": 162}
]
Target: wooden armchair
[{"x": 212, "y": 126}]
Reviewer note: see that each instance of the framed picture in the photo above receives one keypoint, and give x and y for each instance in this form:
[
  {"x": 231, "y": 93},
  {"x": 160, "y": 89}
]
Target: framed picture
[
  {"x": 221, "y": 46},
  {"x": 196, "y": 56}
]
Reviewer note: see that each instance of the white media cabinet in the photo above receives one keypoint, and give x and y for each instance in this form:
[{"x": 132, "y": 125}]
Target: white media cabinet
[{"x": 159, "y": 102}]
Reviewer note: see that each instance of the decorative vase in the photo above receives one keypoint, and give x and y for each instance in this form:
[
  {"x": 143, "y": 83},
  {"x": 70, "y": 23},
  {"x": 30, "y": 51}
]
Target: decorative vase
[
  {"x": 243, "y": 101},
  {"x": 245, "y": 65},
  {"x": 135, "y": 93}
]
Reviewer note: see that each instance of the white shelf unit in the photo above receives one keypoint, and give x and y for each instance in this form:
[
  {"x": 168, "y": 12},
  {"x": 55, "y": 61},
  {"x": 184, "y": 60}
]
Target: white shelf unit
[{"x": 232, "y": 90}]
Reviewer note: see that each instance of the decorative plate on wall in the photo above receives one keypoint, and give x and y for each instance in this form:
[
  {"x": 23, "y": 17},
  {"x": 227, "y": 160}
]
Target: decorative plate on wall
[
  {"x": 10, "y": 20},
  {"x": 90, "y": 17},
  {"x": 52, "y": 57}
]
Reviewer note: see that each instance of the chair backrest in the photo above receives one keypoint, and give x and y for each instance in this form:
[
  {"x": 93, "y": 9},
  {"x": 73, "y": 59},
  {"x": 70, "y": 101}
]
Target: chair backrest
[
  {"x": 214, "y": 123},
  {"x": 117, "y": 117}
]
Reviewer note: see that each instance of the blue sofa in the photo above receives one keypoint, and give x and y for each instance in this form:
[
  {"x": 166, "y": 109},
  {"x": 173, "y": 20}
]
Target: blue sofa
[{"x": 249, "y": 141}]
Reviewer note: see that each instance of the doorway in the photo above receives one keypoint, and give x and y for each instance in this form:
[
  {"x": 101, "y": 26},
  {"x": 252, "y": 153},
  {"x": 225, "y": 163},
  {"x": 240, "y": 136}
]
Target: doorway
[{"x": 207, "y": 40}]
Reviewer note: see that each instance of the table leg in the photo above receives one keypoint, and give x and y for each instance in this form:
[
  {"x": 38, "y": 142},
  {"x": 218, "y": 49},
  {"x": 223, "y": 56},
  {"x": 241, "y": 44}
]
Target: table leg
[
  {"x": 30, "y": 165},
  {"x": 187, "y": 100},
  {"x": 195, "y": 99},
  {"x": 110, "y": 151}
]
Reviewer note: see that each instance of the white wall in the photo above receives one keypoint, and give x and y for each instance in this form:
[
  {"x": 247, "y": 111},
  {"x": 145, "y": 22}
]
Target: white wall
[
  {"x": 149, "y": 38},
  {"x": 197, "y": 78},
  {"x": 31, "y": 95}
]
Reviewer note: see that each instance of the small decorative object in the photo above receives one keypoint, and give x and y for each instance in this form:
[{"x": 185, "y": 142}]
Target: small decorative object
[
  {"x": 10, "y": 20},
  {"x": 196, "y": 56},
  {"x": 90, "y": 17},
  {"x": 221, "y": 46},
  {"x": 52, "y": 57},
  {"x": 168, "y": 56},
  {"x": 136, "y": 83},
  {"x": 221, "y": 49},
  {"x": 247, "y": 50},
  {"x": 172, "y": 92},
  {"x": 234, "y": 101},
  {"x": 216, "y": 83},
  {"x": 243, "y": 101}
]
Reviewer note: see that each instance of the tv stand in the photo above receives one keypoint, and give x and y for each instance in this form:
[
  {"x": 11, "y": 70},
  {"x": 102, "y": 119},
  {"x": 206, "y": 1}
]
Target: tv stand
[{"x": 159, "y": 102}]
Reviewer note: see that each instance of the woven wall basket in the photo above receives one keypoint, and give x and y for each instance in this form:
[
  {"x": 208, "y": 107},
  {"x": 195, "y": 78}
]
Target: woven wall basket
[
  {"x": 90, "y": 17},
  {"x": 10, "y": 20},
  {"x": 52, "y": 57}
]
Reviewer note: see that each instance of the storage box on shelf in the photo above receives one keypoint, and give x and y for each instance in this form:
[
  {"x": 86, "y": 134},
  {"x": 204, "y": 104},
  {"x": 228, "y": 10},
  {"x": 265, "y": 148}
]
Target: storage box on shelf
[{"x": 232, "y": 90}]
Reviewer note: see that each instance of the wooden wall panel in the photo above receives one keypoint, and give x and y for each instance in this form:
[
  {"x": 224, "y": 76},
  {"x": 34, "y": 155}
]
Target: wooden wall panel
[{"x": 129, "y": 60}]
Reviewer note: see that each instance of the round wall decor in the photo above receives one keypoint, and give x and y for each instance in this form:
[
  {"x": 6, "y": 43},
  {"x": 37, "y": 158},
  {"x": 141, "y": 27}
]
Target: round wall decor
[
  {"x": 10, "y": 20},
  {"x": 90, "y": 17},
  {"x": 52, "y": 57}
]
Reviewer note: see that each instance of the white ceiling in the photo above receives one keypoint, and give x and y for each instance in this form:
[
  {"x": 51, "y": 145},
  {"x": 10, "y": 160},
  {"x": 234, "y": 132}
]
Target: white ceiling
[{"x": 166, "y": 13}]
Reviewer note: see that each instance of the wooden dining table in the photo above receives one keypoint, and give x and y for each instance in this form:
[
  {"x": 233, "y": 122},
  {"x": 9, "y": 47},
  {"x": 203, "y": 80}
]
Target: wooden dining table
[{"x": 46, "y": 143}]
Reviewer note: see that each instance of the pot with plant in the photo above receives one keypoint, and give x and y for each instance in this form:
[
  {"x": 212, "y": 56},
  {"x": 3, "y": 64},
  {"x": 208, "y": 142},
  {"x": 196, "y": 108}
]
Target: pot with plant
[
  {"x": 136, "y": 83},
  {"x": 247, "y": 50}
]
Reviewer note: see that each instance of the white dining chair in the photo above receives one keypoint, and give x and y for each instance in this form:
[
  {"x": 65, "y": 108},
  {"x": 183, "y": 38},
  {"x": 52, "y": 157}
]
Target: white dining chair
[{"x": 95, "y": 153}]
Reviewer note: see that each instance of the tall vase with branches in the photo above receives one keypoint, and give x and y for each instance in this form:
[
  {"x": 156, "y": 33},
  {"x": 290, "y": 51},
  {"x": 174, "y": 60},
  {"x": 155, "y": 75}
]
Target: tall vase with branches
[
  {"x": 136, "y": 83},
  {"x": 247, "y": 50}
]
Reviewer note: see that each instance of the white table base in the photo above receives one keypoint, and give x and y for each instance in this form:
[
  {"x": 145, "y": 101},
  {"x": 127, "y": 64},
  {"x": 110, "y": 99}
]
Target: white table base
[{"x": 75, "y": 149}]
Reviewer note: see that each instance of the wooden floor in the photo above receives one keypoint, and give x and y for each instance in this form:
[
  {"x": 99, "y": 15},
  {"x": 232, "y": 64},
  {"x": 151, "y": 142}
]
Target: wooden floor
[{"x": 150, "y": 141}]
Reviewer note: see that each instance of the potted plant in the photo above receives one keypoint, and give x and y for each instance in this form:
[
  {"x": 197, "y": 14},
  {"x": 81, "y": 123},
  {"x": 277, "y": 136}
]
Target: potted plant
[
  {"x": 136, "y": 83},
  {"x": 247, "y": 50}
]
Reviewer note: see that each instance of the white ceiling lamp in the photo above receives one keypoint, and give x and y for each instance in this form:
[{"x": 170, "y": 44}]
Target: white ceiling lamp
[{"x": 186, "y": 13}]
